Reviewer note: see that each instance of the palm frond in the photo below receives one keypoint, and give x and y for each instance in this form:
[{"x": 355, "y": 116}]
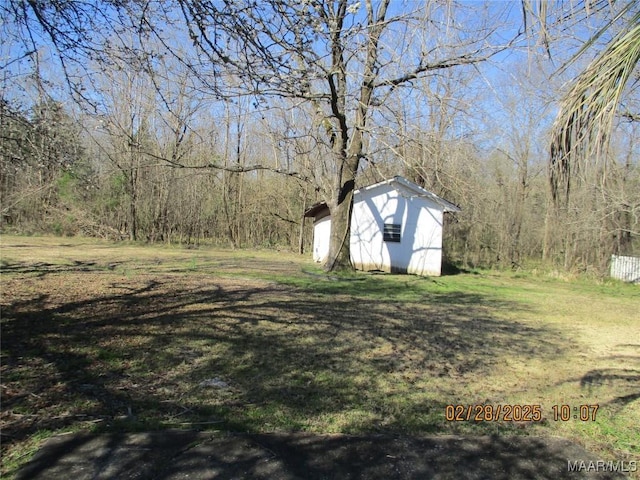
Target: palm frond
[
  {"x": 583, "y": 125},
  {"x": 601, "y": 31}
]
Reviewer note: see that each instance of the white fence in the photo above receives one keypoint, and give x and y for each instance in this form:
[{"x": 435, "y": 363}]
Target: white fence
[{"x": 626, "y": 269}]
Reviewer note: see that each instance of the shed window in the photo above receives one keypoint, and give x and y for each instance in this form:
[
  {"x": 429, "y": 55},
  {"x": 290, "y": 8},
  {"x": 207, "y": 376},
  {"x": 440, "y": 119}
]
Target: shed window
[{"x": 391, "y": 232}]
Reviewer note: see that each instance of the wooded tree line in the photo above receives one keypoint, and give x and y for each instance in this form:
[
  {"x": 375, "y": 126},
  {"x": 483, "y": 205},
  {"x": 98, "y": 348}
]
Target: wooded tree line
[
  {"x": 55, "y": 179},
  {"x": 228, "y": 137}
]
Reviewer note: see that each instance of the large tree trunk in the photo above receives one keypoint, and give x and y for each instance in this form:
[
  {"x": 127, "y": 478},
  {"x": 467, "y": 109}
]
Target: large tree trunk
[
  {"x": 348, "y": 143},
  {"x": 341, "y": 207}
]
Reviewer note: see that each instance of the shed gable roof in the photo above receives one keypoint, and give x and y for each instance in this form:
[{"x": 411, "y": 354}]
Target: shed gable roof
[
  {"x": 405, "y": 186},
  {"x": 399, "y": 183}
]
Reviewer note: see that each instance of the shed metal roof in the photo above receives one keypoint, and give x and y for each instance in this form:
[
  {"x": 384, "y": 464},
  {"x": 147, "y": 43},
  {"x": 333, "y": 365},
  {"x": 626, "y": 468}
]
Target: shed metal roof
[{"x": 319, "y": 208}]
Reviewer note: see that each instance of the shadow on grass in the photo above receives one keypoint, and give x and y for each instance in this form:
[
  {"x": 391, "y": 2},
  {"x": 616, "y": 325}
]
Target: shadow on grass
[
  {"x": 196, "y": 455},
  {"x": 42, "y": 269},
  {"x": 625, "y": 382},
  {"x": 353, "y": 357},
  {"x": 622, "y": 382}
]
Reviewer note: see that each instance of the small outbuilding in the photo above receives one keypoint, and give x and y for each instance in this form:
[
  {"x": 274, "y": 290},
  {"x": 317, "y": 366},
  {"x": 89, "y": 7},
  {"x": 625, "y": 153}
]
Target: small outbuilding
[{"x": 396, "y": 226}]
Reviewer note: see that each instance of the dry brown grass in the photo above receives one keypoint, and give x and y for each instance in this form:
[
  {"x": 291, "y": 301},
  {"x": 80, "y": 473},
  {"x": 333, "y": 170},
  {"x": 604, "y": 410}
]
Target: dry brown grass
[{"x": 121, "y": 337}]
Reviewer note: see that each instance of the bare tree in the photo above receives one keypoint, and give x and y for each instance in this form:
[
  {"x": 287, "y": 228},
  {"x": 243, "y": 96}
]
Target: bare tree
[
  {"x": 339, "y": 60},
  {"x": 338, "y": 64}
]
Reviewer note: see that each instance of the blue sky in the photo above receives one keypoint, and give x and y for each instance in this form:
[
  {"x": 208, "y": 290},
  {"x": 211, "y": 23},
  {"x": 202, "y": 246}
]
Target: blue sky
[{"x": 485, "y": 92}]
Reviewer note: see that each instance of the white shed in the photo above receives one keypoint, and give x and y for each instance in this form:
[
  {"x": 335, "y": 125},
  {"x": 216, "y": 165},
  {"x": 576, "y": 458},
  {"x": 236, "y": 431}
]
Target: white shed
[{"x": 396, "y": 227}]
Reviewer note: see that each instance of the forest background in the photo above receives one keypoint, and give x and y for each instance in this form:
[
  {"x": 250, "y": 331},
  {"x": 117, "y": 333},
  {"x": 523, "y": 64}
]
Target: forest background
[{"x": 129, "y": 136}]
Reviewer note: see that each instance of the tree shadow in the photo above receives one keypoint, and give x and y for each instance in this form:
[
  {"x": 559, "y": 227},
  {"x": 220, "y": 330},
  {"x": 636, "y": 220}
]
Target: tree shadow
[
  {"x": 625, "y": 381},
  {"x": 42, "y": 269},
  {"x": 165, "y": 455},
  {"x": 131, "y": 354}
]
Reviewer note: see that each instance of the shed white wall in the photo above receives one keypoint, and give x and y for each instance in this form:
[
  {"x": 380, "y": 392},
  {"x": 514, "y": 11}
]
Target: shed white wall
[
  {"x": 321, "y": 236},
  {"x": 420, "y": 248}
]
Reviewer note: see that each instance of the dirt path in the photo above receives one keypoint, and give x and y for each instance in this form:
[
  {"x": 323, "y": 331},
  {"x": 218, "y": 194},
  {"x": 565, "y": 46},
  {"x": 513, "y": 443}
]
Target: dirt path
[{"x": 177, "y": 455}]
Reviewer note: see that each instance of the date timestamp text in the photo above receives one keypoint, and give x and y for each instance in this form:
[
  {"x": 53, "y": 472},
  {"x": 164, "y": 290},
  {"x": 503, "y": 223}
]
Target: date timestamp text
[{"x": 518, "y": 413}]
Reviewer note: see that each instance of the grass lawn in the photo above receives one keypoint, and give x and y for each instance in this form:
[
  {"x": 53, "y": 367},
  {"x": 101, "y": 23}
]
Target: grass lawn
[{"x": 118, "y": 337}]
